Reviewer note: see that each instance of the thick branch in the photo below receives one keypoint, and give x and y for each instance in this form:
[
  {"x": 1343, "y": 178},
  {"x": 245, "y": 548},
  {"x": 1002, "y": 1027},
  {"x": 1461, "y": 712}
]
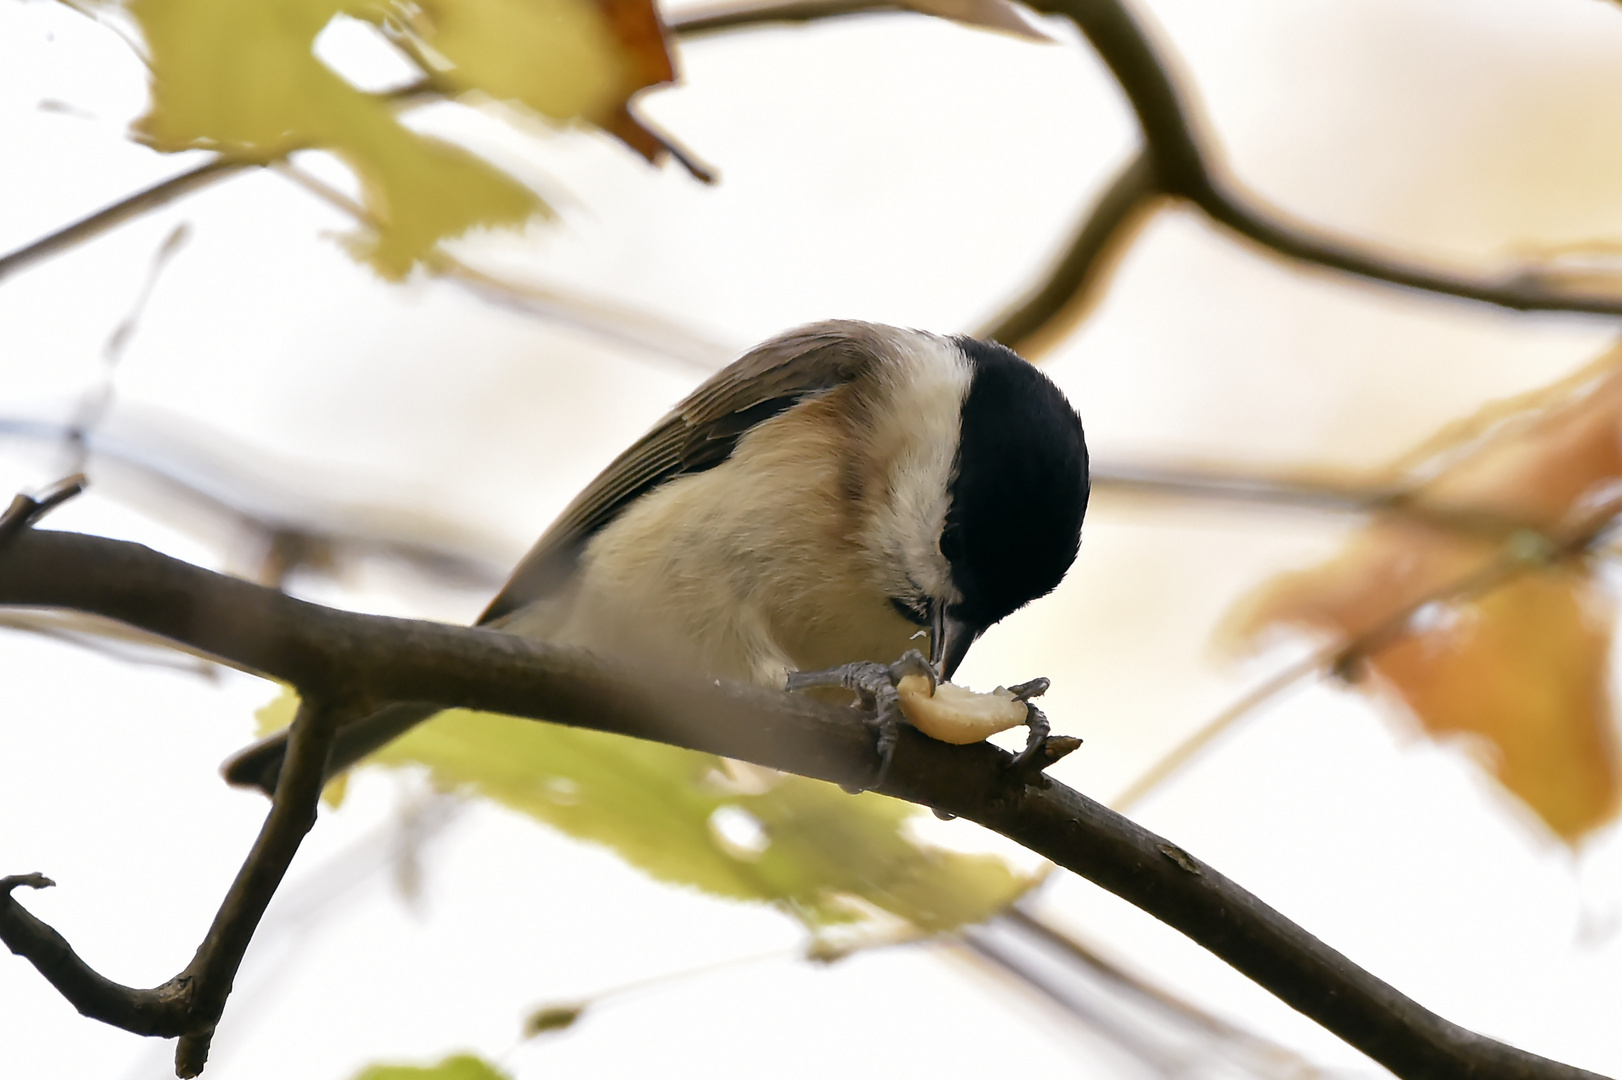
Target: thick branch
[
  {"x": 323, "y": 651},
  {"x": 1185, "y": 167}
]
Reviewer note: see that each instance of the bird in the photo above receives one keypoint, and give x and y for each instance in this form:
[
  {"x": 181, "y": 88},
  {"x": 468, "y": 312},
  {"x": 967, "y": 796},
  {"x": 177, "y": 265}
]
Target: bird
[{"x": 801, "y": 519}]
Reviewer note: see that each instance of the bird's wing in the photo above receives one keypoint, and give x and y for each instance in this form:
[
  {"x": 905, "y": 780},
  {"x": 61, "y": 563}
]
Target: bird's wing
[{"x": 700, "y": 433}]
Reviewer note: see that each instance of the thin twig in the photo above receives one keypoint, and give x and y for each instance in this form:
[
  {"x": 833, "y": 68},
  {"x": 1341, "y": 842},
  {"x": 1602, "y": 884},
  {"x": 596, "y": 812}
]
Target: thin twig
[
  {"x": 160, "y": 194},
  {"x": 1170, "y": 1035},
  {"x": 113, "y": 640},
  {"x": 25, "y": 510},
  {"x": 320, "y": 649},
  {"x": 1162, "y": 1059},
  {"x": 165, "y": 192},
  {"x": 642, "y": 331},
  {"x": 190, "y": 1004},
  {"x": 1190, "y": 746},
  {"x": 722, "y": 19},
  {"x": 97, "y": 400},
  {"x": 1309, "y": 492},
  {"x": 1523, "y": 552},
  {"x": 292, "y": 815},
  {"x": 1279, "y": 1059}
]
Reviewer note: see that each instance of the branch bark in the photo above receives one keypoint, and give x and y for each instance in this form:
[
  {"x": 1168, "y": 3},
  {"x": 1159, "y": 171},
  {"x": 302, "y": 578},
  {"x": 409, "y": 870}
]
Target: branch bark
[
  {"x": 328, "y": 653},
  {"x": 1184, "y": 166},
  {"x": 190, "y": 1004}
]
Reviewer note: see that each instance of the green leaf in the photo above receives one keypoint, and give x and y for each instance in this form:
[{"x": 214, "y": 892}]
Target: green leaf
[
  {"x": 826, "y": 856},
  {"x": 456, "y": 1067},
  {"x": 242, "y": 78}
]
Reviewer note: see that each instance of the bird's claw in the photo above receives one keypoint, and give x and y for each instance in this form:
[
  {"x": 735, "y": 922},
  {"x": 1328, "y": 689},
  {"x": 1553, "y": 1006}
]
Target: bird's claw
[
  {"x": 875, "y": 687},
  {"x": 1027, "y": 690},
  {"x": 1041, "y": 747}
]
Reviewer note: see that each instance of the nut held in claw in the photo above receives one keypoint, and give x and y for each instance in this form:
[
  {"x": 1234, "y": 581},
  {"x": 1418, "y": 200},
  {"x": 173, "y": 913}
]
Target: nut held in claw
[{"x": 956, "y": 714}]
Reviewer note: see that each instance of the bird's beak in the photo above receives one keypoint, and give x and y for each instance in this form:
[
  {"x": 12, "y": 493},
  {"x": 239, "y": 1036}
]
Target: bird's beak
[{"x": 949, "y": 640}]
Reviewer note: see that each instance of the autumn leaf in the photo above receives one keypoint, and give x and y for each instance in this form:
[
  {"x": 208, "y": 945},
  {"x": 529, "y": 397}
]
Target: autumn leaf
[
  {"x": 693, "y": 819},
  {"x": 639, "y": 29},
  {"x": 1515, "y": 665},
  {"x": 243, "y": 79}
]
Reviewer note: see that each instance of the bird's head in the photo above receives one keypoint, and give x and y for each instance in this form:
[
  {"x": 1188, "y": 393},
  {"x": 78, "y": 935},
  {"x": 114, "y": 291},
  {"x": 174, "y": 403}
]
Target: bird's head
[
  {"x": 981, "y": 513},
  {"x": 1016, "y": 497}
]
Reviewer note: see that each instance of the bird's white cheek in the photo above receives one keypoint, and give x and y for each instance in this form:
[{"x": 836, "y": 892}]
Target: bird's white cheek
[{"x": 918, "y": 437}]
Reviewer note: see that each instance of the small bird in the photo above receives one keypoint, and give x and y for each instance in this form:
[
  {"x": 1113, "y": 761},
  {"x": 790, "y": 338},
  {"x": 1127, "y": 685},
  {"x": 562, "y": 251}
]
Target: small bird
[{"x": 810, "y": 510}]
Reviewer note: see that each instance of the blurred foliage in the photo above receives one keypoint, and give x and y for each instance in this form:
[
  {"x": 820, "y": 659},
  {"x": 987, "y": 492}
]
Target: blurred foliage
[
  {"x": 693, "y": 819},
  {"x": 552, "y": 1018},
  {"x": 243, "y": 79},
  {"x": 458, "y": 1067},
  {"x": 1521, "y": 669}
]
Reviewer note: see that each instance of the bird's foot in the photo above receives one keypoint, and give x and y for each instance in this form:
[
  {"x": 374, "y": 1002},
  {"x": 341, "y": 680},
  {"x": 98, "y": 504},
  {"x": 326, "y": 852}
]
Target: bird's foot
[
  {"x": 875, "y": 688},
  {"x": 1041, "y": 747}
]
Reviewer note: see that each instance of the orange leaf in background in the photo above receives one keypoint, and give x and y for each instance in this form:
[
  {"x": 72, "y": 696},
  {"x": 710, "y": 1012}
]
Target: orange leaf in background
[
  {"x": 1520, "y": 667},
  {"x": 1525, "y": 669}
]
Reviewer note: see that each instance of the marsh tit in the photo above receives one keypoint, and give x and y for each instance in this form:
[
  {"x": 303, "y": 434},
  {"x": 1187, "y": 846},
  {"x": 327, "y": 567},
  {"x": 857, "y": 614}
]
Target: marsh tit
[{"x": 818, "y": 503}]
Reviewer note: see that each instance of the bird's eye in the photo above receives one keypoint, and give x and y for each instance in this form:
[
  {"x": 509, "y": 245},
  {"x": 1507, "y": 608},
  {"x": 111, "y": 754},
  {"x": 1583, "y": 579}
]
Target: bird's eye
[
  {"x": 911, "y": 608},
  {"x": 951, "y": 545}
]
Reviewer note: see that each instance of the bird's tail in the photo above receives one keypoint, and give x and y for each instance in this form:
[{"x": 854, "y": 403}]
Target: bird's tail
[{"x": 260, "y": 765}]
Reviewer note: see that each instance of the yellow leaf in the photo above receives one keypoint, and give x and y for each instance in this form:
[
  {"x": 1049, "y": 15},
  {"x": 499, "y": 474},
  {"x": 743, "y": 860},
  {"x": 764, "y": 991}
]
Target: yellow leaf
[
  {"x": 457, "y": 1067},
  {"x": 558, "y": 57},
  {"x": 242, "y": 78}
]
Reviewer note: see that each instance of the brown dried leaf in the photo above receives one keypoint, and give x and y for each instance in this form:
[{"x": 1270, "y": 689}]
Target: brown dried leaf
[
  {"x": 1523, "y": 674},
  {"x": 642, "y": 34},
  {"x": 1520, "y": 669}
]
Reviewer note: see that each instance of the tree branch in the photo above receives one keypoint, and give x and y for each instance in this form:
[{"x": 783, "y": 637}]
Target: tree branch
[
  {"x": 721, "y": 19},
  {"x": 1073, "y": 286},
  {"x": 1305, "y": 491},
  {"x": 361, "y": 657},
  {"x": 191, "y": 1004},
  {"x": 1185, "y": 167},
  {"x": 133, "y": 206},
  {"x": 1177, "y": 160}
]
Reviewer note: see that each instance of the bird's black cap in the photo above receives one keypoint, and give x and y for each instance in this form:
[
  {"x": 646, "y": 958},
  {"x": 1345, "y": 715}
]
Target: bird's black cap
[{"x": 1019, "y": 486}]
